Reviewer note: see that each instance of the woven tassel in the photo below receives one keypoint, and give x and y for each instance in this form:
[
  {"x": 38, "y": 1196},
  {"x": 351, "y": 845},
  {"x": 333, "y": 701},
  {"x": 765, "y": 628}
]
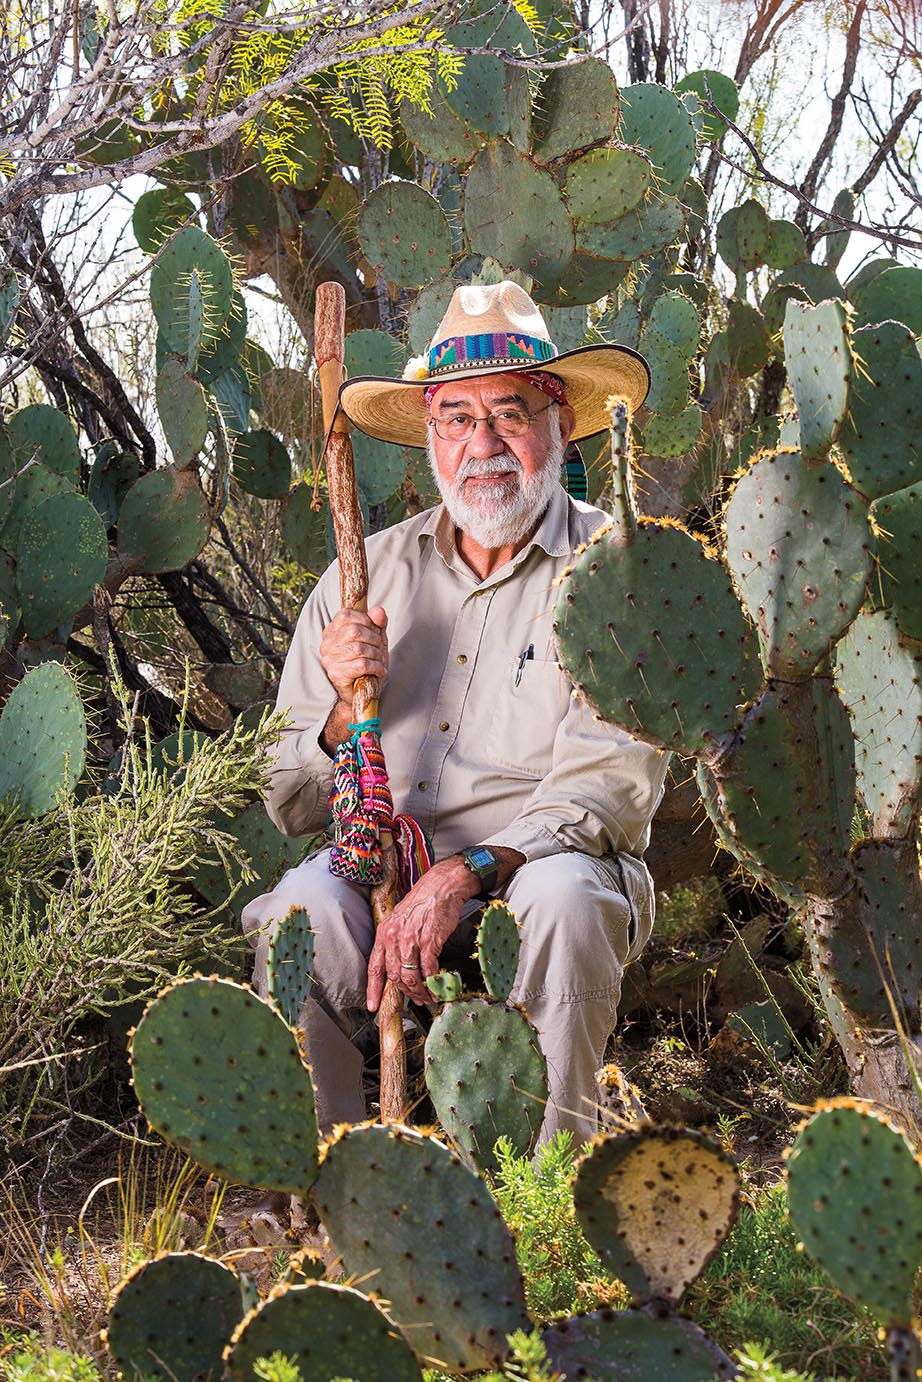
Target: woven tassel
[{"x": 414, "y": 853}]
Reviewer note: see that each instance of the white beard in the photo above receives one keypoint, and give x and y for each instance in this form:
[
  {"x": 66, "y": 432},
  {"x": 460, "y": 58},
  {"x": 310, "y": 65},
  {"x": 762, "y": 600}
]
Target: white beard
[{"x": 502, "y": 515}]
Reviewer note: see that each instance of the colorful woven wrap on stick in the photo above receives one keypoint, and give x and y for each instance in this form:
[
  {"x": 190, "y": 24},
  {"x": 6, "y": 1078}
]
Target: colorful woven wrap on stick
[{"x": 361, "y": 807}]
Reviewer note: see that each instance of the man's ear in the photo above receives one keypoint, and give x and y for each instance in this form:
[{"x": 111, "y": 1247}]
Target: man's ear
[{"x": 567, "y": 422}]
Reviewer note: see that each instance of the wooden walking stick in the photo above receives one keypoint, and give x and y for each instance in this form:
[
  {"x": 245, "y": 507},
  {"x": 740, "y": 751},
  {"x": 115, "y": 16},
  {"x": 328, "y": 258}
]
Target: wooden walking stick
[{"x": 329, "y": 349}]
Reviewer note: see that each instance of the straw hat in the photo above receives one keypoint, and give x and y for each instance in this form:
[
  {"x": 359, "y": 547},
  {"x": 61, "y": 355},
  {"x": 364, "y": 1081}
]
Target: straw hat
[{"x": 493, "y": 329}]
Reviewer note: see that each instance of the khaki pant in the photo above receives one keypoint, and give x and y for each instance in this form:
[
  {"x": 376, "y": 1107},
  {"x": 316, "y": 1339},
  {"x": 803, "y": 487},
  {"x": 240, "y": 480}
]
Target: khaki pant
[{"x": 581, "y": 920}]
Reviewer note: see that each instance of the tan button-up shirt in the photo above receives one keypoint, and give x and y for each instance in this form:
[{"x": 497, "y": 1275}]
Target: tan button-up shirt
[{"x": 483, "y": 739}]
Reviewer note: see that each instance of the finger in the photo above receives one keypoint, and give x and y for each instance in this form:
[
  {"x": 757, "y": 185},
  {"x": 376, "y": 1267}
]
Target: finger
[{"x": 378, "y": 616}]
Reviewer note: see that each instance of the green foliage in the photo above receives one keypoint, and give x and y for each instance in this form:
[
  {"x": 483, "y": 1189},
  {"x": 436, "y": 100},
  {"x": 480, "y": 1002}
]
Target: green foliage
[
  {"x": 561, "y": 1271},
  {"x": 38, "y": 1363}
]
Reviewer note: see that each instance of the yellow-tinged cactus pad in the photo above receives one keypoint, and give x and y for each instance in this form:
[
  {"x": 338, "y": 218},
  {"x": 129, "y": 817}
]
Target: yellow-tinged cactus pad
[
  {"x": 172, "y": 1318},
  {"x": 327, "y": 1331},
  {"x": 656, "y": 1203},
  {"x": 220, "y": 1075},
  {"x": 855, "y": 1198}
]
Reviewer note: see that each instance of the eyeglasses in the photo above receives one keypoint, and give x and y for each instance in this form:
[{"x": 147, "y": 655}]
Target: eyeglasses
[{"x": 505, "y": 422}]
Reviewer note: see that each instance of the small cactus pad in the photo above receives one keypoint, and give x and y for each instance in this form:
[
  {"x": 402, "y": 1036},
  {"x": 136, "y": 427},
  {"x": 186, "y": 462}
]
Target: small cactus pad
[
  {"x": 262, "y": 466},
  {"x": 172, "y": 1317},
  {"x": 625, "y": 1345},
  {"x": 747, "y": 338},
  {"x": 114, "y": 472},
  {"x": 654, "y": 637},
  {"x": 220, "y": 1076},
  {"x": 45, "y": 434},
  {"x": 290, "y": 964},
  {"x": 672, "y": 435},
  {"x": 787, "y": 782},
  {"x": 158, "y": 213},
  {"x": 607, "y": 183},
  {"x": 328, "y": 1332},
  {"x": 719, "y": 91},
  {"x": 304, "y": 529},
  {"x": 744, "y": 236},
  {"x": 183, "y": 410},
  {"x": 577, "y": 107},
  {"x": 439, "y": 132},
  {"x": 654, "y": 226},
  {"x": 675, "y": 316},
  {"x": 164, "y": 519},
  {"x": 820, "y": 371},
  {"x": 446, "y": 986},
  {"x": 801, "y": 549},
  {"x": 880, "y": 438},
  {"x": 498, "y": 946},
  {"x": 898, "y": 518},
  {"x": 42, "y": 740},
  {"x": 668, "y": 373},
  {"x": 855, "y": 1198},
  {"x": 879, "y": 675},
  {"x": 424, "y": 1232},
  {"x": 191, "y": 288},
  {"x": 786, "y": 245},
  {"x": 404, "y": 234},
  {"x": 61, "y": 556},
  {"x": 514, "y": 211},
  {"x": 656, "y": 1203},
  {"x": 653, "y": 118},
  {"x": 487, "y": 1078}
]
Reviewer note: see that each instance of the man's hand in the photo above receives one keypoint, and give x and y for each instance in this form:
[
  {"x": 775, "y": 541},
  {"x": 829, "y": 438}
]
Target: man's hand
[
  {"x": 408, "y": 944},
  {"x": 353, "y": 644}
]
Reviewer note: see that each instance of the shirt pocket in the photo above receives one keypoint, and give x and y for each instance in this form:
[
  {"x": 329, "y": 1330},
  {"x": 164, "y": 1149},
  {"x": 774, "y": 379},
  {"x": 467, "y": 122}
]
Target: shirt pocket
[{"x": 528, "y": 711}]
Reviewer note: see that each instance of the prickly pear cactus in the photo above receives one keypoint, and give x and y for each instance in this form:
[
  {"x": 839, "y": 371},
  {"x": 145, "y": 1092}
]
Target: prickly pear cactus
[
  {"x": 290, "y": 964},
  {"x": 172, "y": 1317},
  {"x": 42, "y": 740},
  {"x": 621, "y": 1345},
  {"x": 221, "y": 1076},
  {"x": 498, "y": 947},
  {"x": 855, "y": 1198}
]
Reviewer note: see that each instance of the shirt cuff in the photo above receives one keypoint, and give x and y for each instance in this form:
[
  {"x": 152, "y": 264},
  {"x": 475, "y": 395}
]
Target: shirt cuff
[{"x": 534, "y": 841}]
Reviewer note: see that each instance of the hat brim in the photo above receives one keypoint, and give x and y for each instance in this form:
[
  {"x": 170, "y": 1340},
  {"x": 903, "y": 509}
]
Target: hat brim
[{"x": 394, "y": 409}]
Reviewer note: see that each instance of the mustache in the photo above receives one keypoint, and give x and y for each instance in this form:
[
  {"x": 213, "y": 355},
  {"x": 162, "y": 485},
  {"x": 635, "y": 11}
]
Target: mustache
[{"x": 505, "y": 464}]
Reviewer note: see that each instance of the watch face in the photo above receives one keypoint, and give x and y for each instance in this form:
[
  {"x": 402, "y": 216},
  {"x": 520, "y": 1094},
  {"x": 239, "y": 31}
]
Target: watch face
[{"x": 481, "y": 857}]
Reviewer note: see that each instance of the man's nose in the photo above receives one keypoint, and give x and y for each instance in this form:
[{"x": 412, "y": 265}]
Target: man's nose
[{"x": 483, "y": 441}]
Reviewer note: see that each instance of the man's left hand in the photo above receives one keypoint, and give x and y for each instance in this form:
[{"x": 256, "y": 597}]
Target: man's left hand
[{"x": 408, "y": 944}]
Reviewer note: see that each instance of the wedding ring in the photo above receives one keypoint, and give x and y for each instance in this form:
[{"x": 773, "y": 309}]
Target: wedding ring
[{"x": 406, "y": 966}]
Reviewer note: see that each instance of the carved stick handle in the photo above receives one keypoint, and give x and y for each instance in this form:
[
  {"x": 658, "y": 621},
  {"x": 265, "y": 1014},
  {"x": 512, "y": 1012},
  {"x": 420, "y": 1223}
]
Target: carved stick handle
[{"x": 329, "y": 350}]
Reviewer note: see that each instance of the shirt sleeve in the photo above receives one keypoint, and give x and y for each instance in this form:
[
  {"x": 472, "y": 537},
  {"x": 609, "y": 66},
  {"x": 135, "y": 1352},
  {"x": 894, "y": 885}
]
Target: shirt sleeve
[
  {"x": 301, "y": 773},
  {"x": 598, "y": 797}
]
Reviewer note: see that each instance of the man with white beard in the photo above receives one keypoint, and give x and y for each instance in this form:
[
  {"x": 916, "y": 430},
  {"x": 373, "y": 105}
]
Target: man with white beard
[{"x": 524, "y": 793}]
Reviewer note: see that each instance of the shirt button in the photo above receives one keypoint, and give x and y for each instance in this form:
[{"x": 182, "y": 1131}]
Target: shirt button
[
  {"x": 462, "y": 659},
  {"x": 423, "y": 786},
  {"x": 443, "y": 726}
]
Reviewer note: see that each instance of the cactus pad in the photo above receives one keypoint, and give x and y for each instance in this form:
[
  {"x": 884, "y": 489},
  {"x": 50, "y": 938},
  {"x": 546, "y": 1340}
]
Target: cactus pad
[
  {"x": 114, "y": 472},
  {"x": 262, "y": 466},
  {"x": 172, "y": 1317},
  {"x": 304, "y": 530},
  {"x": 607, "y": 183},
  {"x": 513, "y": 211},
  {"x": 440, "y": 133},
  {"x": 164, "y": 519},
  {"x": 404, "y": 234},
  {"x": 787, "y": 783},
  {"x": 405, "y": 1213},
  {"x": 668, "y": 373},
  {"x": 290, "y": 964},
  {"x": 498, "y": 947},
  {"x": 786, "y": 245},
  {"x": 855, "y": 1198},
  {"x": 578, "y": 106},
  {"x": 675, "y": 316},
  {"x": 880, "y": 678},
  {"x": 220, "y": 1076},
  {"x": 656, "y": 1203},
  {"x": 654, "y": 638},
  {"x": 183, "y": 410},
  {"x": 61, "y": 556},
  {"x": 328, "y": 1331},
  {"x": 891, "y": 897},
  {"x": 624, "y": 1345},
  {"x": 720, "y": 91},
  {"x": 489, "y": 95},
  {"x": 748, "y": 343},
  {"x": 191, "y": 287},
  {"x": 45, "y": 434},
  {"x": 42, "y": 740},
  {"x": 158, "y": 213},
  {"x": 652, "y": 227},
  {"x": 654, "y": 118},
  {"x": 898, "y": 518},
  {"x": 744, "y": 236},
  {"x": 446, "y": 986},
  {"x": 881, "y": 435},
  {"x": 800, "y": 546},
  {"x": 487, "y": 1078},
  {"x": 820, "y": 371},
  {"x": 893, "y": 295},
  {"x": 672, "y": 435}
]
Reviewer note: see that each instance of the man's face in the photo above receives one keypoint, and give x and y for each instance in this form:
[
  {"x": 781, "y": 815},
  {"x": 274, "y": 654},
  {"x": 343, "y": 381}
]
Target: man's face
[{"x": 496, "y": 488}]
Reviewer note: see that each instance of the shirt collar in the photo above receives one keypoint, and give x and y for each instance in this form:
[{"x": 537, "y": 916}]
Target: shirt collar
[{"x": 552, "y": 533}]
